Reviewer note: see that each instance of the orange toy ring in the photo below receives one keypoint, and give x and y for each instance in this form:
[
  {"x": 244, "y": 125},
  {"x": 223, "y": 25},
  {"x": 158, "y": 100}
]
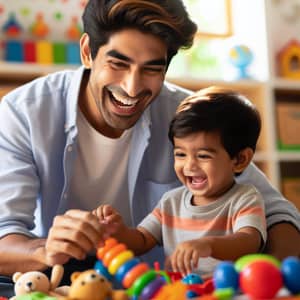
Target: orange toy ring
[
  {"x": 112, "y": 253},
  {"x": 133, "y": 274}
]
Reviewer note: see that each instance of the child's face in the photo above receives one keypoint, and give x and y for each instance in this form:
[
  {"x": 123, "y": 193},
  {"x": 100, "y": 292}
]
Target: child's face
[{"x": 203, "y": 166}]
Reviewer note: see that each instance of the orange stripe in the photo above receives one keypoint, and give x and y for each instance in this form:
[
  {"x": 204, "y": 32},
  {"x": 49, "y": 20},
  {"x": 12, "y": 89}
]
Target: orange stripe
[
  {"x": 254, "y": 210},
  {"x": 220, "y": 223}
]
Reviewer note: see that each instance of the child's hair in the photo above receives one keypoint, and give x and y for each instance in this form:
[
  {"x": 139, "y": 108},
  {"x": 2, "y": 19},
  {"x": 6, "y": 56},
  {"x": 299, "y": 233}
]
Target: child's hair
[{"x": 216, "y": 109}]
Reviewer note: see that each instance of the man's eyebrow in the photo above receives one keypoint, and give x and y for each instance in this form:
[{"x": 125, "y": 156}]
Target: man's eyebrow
[{"x": 118, "y": 55}]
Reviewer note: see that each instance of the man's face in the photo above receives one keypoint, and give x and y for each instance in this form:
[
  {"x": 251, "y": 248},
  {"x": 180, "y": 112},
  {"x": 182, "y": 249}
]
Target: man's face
[{"x": 126, "y": 75}]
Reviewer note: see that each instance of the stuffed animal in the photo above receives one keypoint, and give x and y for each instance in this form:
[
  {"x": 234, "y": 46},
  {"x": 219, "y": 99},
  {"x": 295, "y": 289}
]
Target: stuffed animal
[
  {"x": 35, "y": 281},
  {"x": 89, "y": 285}
]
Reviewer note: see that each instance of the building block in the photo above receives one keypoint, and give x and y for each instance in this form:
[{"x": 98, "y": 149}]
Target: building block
[
  {"x": 44, "y": 52},
  {"x": 59, "y": 53},
  {"x": 29, "y": 51},
  {"x": 73, "y": 53},
  {"x": 13, "y": 51}
]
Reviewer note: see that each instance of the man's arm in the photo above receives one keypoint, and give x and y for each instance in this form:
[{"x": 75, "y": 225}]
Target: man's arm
[
  {"x": 72, "y": 235},
  {"x": 283, "y": 218},
  {"x": 21, "y": 253},
  {"x": 283, "y": 240}
]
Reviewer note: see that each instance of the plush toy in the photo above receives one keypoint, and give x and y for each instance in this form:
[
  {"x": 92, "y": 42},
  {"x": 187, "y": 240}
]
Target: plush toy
[
  {"x": 89, "y": 285},
  {"x": 35, "y": 281}
]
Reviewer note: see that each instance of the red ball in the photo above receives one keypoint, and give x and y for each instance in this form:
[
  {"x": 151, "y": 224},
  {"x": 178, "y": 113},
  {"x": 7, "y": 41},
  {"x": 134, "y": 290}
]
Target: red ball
[{"x": 261, "y": 280}]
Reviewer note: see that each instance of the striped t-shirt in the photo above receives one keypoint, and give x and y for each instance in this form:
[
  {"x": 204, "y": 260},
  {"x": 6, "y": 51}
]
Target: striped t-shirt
[{"x": 175, "y": 219}]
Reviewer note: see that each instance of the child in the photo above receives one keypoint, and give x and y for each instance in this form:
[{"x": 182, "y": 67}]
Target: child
[{"x": 209, "y": 218}]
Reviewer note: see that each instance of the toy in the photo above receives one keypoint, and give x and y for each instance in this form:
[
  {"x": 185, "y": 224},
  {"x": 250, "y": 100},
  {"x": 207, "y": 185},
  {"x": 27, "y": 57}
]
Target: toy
[
  {"x": 11, "y": 27},
  {"x": 261, "y": 279},
  {"x": 290, "y": 269},
  {"x": 141, "y": 281},
  {"x": 39, "y": 28},
  {"x": 289, "y": 60},
  {"x": 89, "y": 285},
  {"x": 260, "y": 276},
  {"x": 35, "y": 281},
  {"x": 137, "y": 277},
  {"x": 241, "y": 57}
]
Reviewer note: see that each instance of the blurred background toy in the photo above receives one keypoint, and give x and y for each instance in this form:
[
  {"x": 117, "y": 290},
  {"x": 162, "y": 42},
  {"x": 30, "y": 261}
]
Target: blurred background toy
[
  {"x": 241, "y": 56},
  {"x": 289, "y": 60}
]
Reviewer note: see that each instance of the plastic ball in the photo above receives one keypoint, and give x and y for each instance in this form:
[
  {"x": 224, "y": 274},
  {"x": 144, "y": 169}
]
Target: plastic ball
[
  {"x": 261, "y": 280},
  {"x": 192, "y": 278},
  {"x": 290, "y": 269},
  {"x": 243, "y": 261},
  {"x": 225, "y": 276}
]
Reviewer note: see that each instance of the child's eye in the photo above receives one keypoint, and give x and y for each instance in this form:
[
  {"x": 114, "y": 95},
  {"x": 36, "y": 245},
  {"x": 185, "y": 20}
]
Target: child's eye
[
  {"x": 204, "y": 156},
  {"x": 179, "y": 154}
]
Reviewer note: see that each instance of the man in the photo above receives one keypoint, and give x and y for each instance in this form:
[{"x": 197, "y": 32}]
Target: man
[{"x": 75, "y": 140}]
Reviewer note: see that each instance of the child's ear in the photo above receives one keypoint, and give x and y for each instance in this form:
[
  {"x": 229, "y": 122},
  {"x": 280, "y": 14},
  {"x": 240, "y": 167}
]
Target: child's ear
[{"x": 243, "y": 159}]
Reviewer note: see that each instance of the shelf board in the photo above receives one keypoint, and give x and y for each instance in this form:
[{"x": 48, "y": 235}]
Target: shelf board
[
  {"x": 285, "y": 83},
  {"x": 196, "y": 83},
  {"x": 288, "y": 155},
  {"x": 28, "y": 71}
]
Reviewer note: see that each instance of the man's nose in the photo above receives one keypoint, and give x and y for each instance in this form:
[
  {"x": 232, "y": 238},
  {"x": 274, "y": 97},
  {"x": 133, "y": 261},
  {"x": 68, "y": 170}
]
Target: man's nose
[{"x": 133, "y": 83}]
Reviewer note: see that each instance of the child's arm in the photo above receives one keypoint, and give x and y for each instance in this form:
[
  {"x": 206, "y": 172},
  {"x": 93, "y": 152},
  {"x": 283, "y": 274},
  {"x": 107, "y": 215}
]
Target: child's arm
[
  {"x": 228, "y": 247},
  {"x": 138, "y": 240}
]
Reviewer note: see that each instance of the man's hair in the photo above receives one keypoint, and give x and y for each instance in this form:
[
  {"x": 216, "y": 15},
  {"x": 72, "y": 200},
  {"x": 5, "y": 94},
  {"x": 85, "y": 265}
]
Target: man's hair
[
  {"x": 166, "y": 19},
  {"x": 219, "y": 110}
]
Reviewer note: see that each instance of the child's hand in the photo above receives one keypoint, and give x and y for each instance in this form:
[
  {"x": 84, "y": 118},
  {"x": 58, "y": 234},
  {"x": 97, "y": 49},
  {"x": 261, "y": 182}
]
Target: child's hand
[
  {"x": 110, "y": 219},
  {"x": 186, "y": 255}
]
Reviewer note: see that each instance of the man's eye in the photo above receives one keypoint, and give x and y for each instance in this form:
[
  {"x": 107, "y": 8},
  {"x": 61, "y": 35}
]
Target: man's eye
[
  {"x": 118, "y": 65},
  {"x": 153, "y": 70}
]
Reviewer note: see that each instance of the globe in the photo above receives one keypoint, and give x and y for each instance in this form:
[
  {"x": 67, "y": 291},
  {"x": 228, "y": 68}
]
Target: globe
[{"x": 240, "y": 56}]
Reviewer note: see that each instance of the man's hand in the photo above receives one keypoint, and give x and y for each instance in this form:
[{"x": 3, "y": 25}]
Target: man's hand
[{"x": 72, "y": 235}]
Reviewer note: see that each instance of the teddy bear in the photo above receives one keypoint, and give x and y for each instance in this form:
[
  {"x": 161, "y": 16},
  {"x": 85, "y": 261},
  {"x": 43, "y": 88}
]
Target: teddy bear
[
  {"x": 89, "y": 285},
  {"x": 36, "y": 281}
]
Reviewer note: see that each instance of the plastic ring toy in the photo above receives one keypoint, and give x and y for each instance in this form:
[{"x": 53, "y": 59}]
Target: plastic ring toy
[
  {"x": 151, "y": 288},
  {"x": 119, "y": 260},
  {"x": 109, "y": 243},
  {"x": 141, "y": 282},
  {"x": 124, "y": 269},
  {"x": 134, "y": 273},
  {"x": 112, "y": 253}
]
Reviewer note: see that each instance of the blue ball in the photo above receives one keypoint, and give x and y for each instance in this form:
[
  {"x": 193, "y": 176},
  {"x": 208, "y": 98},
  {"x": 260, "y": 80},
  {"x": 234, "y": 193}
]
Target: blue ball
[
  {"x": 290, "y": 269},
  {"x": 225, "y": 276}
]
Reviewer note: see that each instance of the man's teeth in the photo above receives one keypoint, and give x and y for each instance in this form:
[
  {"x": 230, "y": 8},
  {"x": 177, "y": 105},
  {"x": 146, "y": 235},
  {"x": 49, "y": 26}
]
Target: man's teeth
[{"x": 125, "y": 101}]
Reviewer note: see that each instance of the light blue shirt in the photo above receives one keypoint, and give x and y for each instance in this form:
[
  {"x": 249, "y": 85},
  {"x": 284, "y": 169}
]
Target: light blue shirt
[{"x": 38, "y": 136}]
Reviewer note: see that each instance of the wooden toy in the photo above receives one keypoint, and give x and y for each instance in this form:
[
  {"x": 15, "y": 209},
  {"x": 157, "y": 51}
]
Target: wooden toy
[
  {"x": 39, "y": 28},
  {"x": 44, "y": 53},
  {"x": 289, "y": 60},
  {"x": 12, "y": 28},
  {"x": 13, "y": 51}
]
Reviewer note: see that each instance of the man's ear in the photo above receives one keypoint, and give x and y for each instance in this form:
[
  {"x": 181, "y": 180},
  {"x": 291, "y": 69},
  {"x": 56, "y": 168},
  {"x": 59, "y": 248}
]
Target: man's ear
[
  {"x": 243, "y": 159},
  {"x": 85, "y": 51}
]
